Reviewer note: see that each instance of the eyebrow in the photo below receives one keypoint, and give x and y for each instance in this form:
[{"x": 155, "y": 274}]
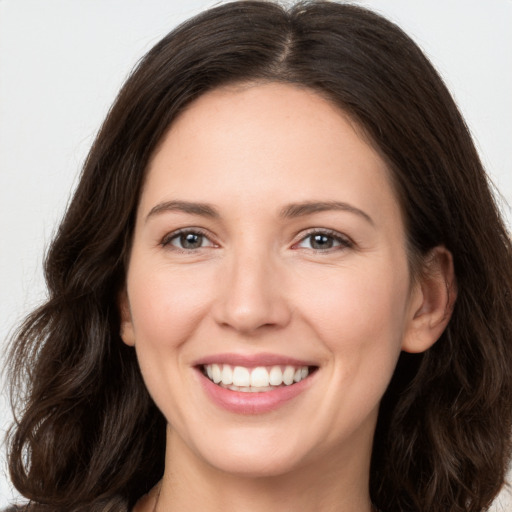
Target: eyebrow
[
  {"x": 290, "y": 211},
  {"x": 310, "y": 207},
  {"x": 202, "y": 209}
]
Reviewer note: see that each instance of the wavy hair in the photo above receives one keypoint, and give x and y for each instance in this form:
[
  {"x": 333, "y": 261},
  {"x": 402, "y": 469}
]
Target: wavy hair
[{"x": 87, "y": 436}]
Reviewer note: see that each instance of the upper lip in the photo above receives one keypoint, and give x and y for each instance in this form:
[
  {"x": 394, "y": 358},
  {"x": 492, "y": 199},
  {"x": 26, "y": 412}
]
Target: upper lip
[{"x": 252, "y": 360}]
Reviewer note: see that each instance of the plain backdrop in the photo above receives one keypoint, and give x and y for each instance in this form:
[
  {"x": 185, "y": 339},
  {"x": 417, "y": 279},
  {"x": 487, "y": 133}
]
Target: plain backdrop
[{"x": 63, "y": 61}]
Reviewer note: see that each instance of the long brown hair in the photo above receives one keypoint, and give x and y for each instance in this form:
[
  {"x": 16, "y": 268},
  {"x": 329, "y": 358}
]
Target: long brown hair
[{"x": 87, "y": 434}]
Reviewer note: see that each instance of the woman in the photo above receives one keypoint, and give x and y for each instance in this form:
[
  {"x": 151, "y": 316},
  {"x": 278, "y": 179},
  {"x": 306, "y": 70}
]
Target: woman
[{"x": 282, "y": 283}]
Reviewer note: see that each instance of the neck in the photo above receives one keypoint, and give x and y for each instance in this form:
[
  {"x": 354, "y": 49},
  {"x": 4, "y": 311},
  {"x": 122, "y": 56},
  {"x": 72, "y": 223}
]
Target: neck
[{"x": 190, "y": 483}]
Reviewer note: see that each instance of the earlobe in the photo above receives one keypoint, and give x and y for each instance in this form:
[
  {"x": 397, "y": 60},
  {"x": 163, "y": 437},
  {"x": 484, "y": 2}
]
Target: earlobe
[
  {"x": 432, "y": 301},
  {"x": 126, "y": 324}
]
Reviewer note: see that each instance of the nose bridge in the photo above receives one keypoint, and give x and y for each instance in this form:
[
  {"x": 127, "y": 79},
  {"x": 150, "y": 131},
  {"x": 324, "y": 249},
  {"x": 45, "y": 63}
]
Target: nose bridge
[{"x": 252, "y": 296}]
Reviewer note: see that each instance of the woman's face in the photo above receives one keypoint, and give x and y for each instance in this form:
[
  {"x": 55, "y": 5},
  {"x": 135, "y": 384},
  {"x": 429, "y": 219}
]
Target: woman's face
[{"x": 269, "y": 245}]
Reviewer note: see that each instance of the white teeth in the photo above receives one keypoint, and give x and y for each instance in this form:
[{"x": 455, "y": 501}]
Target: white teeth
[
  {"x": 288, "y": 374},
  {"x": 261, "y": 378},
  {"x": 241, "y": 376},
  {"x": 216, "y": 373},
  {"x": 227, "y": 375},
  {"x": 275, "y": 376}
]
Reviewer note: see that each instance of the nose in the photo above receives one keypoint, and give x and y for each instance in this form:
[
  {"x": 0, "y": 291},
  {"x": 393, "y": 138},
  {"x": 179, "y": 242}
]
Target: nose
[{"x": 252, "y": 295}]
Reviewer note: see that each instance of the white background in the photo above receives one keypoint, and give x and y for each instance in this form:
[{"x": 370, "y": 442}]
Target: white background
[{"x": 63, "y": 61}]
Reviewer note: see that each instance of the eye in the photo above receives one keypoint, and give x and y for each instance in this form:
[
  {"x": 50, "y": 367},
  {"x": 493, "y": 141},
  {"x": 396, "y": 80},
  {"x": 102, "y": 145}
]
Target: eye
[
  {"x": 187, "y": 240},
  {"x": 324, "y": 241}
]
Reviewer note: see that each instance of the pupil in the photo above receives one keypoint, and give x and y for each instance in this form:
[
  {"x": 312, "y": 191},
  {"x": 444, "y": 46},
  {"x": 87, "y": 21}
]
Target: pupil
[
  {"x": 321, "y": 242},
  {"x": 191, "y": 241}
]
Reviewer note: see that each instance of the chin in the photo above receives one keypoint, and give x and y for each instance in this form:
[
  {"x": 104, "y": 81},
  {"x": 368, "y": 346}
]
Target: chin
[
  {"x": 256, "y": 467},
  {"x": 250, "y": 455}
]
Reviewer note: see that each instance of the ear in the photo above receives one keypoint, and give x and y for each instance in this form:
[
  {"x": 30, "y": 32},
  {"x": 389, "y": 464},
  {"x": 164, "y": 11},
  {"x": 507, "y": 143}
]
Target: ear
[
  {"x": 431, "y": 302},
  {"x": 126, "y": 325}
]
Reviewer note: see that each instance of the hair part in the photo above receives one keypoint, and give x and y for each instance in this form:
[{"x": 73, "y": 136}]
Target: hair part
[{"x": 87, "y": 434}]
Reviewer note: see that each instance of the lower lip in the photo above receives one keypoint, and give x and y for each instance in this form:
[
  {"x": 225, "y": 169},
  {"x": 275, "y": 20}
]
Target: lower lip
[{"x": 252, "y": 403}]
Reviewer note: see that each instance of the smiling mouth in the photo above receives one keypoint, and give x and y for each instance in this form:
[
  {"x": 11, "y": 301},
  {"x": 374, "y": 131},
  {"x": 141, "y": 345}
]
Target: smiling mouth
[{"x": 255, "y": 380}]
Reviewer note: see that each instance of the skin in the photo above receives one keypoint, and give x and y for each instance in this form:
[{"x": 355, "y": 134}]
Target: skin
[{"x": 257, "y": 284}]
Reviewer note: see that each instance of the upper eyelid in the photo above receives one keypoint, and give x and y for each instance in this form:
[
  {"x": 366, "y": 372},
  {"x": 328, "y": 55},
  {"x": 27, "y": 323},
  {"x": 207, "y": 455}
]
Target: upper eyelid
[
  {"x": 344, "y": 242},
  {"x": 177, "y": 232},
  {"x": 322, "y": 231}
]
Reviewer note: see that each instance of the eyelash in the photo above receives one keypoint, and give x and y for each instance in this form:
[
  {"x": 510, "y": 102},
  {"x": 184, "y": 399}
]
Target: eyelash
[
  {"x": 342, "y": 241},
  {"x": 167, "y": 240}
]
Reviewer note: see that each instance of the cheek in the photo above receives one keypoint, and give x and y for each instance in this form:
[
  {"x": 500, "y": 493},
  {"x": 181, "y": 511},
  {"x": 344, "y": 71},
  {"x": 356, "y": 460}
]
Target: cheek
[
  {"x": 360, "y": 317},
  {"x": 166, "y": 304}
]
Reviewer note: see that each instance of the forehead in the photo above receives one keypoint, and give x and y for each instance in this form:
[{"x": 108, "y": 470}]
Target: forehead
[{"x": 252, "y": 142}]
